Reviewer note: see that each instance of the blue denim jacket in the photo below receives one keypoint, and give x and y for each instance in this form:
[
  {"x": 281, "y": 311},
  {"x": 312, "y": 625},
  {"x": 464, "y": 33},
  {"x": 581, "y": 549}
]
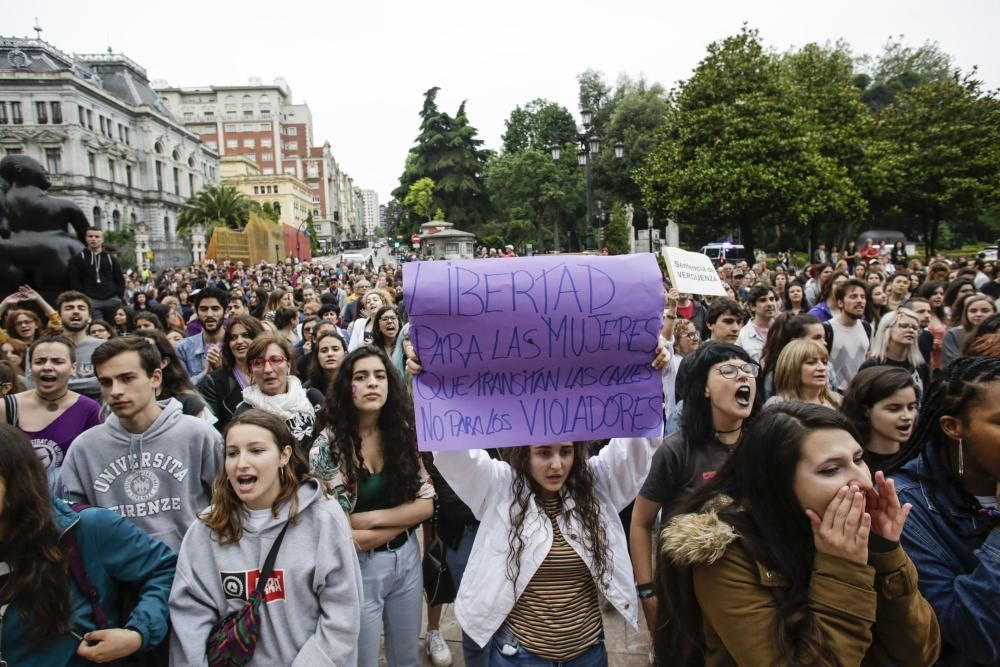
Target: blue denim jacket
[
  {"x": 192, "y": 352},
  {"x": 959, "y": 576}
]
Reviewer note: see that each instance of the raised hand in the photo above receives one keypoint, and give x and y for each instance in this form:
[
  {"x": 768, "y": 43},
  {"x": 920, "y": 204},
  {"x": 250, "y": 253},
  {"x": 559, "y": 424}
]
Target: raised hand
[
  {"x": 843, "y": 530},
  {"x": 888, "y": 516}
]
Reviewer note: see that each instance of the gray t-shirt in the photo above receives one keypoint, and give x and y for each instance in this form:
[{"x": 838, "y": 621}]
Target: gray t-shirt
[
  {"x": 850, "y": 346},
  {"x": 678, "y": 468}
]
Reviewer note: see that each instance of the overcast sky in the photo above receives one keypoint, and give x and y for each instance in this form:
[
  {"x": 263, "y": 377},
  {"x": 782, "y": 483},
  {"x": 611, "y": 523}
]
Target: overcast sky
[{"x": 363, "y": 66}]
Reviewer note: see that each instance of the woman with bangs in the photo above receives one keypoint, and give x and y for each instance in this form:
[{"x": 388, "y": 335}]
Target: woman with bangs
[
  {"x": 368, "y": 455},
  {"x": 720, "y": 398},
  {"x": 802, "y": 374},
  {"x": 223, "y": 388},
  {"x": 895, "y": 344},
  {"x": 262, "y": 494}
]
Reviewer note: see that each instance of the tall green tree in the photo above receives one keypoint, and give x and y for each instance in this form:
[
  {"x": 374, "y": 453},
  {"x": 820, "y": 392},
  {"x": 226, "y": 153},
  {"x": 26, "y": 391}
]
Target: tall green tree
[
  {"x": 945, "y": 138},
  {"x": 732, "y": 154},
  {"x": 616, "y": 233},
  {"x": 531, "y": 186},
  {"x": 420, "y": 197},
  {"x": 537, "y": 125},
  {"x": 448, "y": 151},
  {"x": 216, "y": 206},
  {"x": 900, "y": 67}
]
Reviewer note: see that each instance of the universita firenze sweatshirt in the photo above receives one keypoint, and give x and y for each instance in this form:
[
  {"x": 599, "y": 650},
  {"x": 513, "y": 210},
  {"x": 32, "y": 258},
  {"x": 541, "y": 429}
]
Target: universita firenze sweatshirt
[{"x": 159, "y": 480}]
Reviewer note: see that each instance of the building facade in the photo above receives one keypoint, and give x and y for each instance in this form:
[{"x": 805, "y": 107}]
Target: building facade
[
  {"x": 288, "y": 196},
  {"x": 369, "y": 199},
  {"x": 107, "y": 140},
  {"x": 261, "y": 123}
]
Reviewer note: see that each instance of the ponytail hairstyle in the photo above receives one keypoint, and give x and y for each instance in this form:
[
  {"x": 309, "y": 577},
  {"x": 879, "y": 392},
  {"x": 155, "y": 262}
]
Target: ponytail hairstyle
[
  {"x": 960, "y": 385},
  {"x": 29, "y": 542}
]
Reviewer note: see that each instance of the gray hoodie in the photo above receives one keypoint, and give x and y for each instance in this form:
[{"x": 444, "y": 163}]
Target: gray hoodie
[
  {"x": 159, "y": 479},
  {"x": 312, "y": 611}
]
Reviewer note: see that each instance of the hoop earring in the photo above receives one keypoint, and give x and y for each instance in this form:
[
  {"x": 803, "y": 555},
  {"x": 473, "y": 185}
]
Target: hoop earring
[{"x": 961, "y": 458}]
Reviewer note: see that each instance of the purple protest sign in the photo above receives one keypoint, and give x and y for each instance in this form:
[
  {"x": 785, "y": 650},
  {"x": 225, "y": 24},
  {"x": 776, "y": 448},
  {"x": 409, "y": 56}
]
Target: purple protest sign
[{"x": 534, "y": 350}]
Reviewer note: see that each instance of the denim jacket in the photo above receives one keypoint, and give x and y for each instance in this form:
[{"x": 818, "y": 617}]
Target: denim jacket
[{"x": 959, "y": 576}]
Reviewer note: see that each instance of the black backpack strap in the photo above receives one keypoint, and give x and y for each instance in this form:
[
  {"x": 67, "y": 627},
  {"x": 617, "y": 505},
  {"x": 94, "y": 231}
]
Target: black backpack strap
[
  {"x": 868, "y": 328},
  {"x": 10, "y": 408},
  {"x": 828, "y": 335},
  {"x": 265, "y": 572}
]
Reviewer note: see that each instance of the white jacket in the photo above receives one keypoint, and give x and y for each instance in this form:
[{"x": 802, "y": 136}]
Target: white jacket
[{"x": 486, "y": 596}]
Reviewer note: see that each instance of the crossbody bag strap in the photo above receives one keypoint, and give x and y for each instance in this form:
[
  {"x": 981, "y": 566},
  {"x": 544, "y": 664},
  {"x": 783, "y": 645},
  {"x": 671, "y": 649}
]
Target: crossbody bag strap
[
  {"x": 79, "y": 573},
  {"x": 265, "y": 572}
]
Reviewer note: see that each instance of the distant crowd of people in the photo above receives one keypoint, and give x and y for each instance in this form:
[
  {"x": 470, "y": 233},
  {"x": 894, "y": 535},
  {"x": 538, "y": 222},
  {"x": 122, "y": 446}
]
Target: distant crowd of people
[{"x": 219, "y": 465}]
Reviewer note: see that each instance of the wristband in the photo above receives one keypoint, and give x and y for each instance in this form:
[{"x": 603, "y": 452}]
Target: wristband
[{"x": 645, "y": 591}]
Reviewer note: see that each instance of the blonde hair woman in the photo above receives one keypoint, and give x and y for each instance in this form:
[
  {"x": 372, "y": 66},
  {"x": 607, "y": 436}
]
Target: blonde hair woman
[{"x": 801, "y": 374}]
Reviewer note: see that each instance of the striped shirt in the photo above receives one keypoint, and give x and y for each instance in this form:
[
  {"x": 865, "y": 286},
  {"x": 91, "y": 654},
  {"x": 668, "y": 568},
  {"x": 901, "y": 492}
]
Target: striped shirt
[{"x": 557, "y": 616}]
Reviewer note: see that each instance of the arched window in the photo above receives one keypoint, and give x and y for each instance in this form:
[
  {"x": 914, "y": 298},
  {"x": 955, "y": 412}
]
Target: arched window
[
  {"x": 247, "y": 99},
  {"x": 158, "y": 147},
  {"x": 132, "y": 219},
  {"x": 176, "y": 155},
  {"x": 264, "y": 99},
  {"x": 167, "y": 231},
  {"x": 97, "y": 217},
  {"x": 116, "y": 220},
  {"x": 277, "y": 207}
]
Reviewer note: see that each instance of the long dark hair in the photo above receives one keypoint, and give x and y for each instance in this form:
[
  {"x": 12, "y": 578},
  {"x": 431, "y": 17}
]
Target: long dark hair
[
  {"x": 772, "y": 526},
  {"x": 399, "y": 435},
  {"x": 927, "y": 291},
  {"x": 378, "y": 338},
  {"x": 253, "y": 327},
  {"x": 579, "y": 486},
  {"x": 316, "y": 375},
  {"x": 175, "y": 378},
  {"x": 952, "y": 391},
  {"x": 696, "y": 417},
  {"x": 129, "y": 320},
  {"x": 29, "y": 541}
]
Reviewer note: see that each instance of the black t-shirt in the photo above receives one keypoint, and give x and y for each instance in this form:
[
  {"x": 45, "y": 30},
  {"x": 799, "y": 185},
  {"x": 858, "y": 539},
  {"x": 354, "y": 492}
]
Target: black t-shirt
[
  {"x": 877, "y": 462},
  {"x": 678, "y": 468}
]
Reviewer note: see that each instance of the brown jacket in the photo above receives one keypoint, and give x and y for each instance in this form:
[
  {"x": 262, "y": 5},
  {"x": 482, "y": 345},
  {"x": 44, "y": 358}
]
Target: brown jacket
[{"x": 869, "y": 614}]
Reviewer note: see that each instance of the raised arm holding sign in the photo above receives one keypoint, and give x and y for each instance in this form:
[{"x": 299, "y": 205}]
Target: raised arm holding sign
[
  {"x": 536, "y": 350},
  {"x": 692, "y": 272}
]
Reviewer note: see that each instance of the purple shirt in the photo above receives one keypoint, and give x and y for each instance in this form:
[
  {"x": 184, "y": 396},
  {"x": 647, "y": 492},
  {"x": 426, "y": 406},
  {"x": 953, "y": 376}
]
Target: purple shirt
[{"x": 52, "y": 441}]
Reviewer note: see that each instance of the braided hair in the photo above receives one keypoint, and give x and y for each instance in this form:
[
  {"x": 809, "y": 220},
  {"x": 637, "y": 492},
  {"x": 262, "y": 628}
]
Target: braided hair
[{"x": 961, "y": 383}]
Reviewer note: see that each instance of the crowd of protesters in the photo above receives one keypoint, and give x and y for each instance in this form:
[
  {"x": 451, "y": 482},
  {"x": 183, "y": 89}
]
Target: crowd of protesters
[{"x": 210, "y": 464}]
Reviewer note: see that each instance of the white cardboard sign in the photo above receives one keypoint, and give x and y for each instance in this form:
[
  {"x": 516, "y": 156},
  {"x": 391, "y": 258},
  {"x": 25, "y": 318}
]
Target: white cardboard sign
[{"x": 692, "y": 272}]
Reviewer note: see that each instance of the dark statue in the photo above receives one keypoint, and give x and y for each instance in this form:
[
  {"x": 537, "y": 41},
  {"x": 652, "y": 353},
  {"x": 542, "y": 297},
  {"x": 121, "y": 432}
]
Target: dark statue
[{"x": 35, "y": 246}]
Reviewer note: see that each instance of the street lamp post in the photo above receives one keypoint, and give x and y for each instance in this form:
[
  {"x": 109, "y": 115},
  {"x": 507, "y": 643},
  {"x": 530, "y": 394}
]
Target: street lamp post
[{"x": 589, "y": 143}]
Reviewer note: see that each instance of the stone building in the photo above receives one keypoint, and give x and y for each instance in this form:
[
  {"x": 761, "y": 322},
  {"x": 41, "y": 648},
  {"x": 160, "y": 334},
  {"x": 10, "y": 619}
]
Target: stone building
[
  {"x": 260, "y": 121},
  {"x": 107, "y": 139}
]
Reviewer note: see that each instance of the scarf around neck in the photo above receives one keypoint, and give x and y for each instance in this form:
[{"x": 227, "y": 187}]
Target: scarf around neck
[{"x": 289, "y": 405}]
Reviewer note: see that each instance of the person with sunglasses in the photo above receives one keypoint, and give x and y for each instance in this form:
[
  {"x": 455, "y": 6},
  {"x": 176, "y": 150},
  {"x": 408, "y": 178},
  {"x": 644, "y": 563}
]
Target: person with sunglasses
[
  {"x": 720, "y": 396},
  {"x": 273, "y": 388}
]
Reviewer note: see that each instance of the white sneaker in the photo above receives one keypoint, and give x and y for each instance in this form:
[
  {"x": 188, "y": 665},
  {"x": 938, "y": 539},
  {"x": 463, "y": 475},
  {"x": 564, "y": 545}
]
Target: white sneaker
[{"x": 437, "y": 649}]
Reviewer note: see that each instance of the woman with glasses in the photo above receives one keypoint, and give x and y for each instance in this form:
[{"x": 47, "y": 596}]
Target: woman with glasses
[
  {"x": 895, "y": 344},
  {"x": 273, "y": 388},
  {"x": 386, "y": 336},
  {"x": 720, "y": 396},
  {"x": 101, "y": 329}
]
